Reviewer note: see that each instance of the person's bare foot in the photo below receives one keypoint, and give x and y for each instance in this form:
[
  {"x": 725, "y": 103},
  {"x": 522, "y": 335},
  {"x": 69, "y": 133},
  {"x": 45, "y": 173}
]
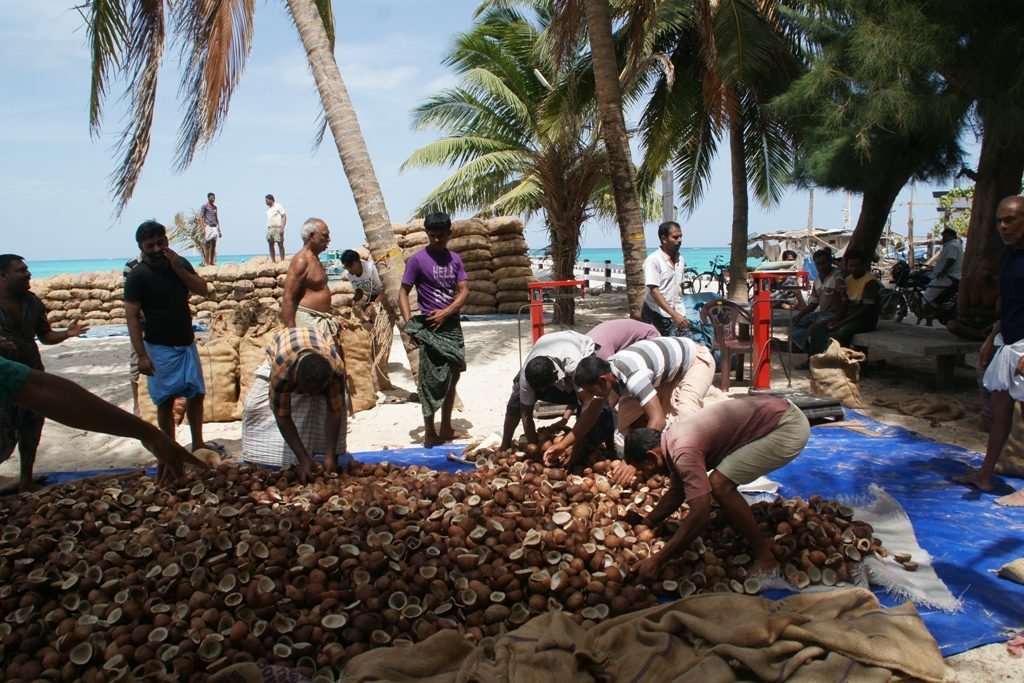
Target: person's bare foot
[
  {"x": 1013, "y": 500},
  {"x": 983, "y": 484},
  {"x": 765, "y": 567},
  {"x": 30, "y": 486},
  {"x": 452, "y": 435},
  {"x": 431, "y": 440}
]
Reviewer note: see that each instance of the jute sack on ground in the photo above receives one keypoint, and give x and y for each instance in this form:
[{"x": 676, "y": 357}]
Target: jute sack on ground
[
  {"x": 219, "y": 358},
  {"x": 719, "y": 637},
  {"x": 836, "y": 372},
  {"x": 513, "y": 307},
  {"x": 1011, "y": 460},
  {"x": 147, "y": 409},
  {"x": 356, "y": 347},
  {"x": 478, "y": 255},
  {"x": 928, "y": 407},
  {"x": 511, "y": 272},
  {"x": 252, "y": 351},
  {"x": 509, "y": 247},
  {"x": 477, "y": 270},
  {"x": 412, "y": 239},
  {"x": 520, "y": 260}
]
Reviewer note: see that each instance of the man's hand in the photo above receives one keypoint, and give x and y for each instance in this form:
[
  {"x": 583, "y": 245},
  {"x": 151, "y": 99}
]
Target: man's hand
[
  {"x": 304, "y": 469},
  {"x": 172, "y": 459},
  {"x": 988, "y": 350},
  {"x": 647, "y": 570},
  {"x": 146, "y": 365},
  {"x": 436, "y": 318},
  {"x": 681, "y": 321},
  {"x": 172, "y": 258},
  {"x": 75, "y": 329},
  {"x": 557, "y": 454},
  {"x": 633, "y": 518},
  {"x": 622, "y": 473}
]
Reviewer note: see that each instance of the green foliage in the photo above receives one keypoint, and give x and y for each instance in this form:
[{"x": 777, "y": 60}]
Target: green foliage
[
  {"x": 187, "y": 232},
  {"x": 955, "y": 214}
]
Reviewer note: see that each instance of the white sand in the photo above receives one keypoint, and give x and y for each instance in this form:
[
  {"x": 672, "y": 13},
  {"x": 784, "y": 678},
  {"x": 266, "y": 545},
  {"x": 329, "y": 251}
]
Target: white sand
[{"x": 492, "y": 347}]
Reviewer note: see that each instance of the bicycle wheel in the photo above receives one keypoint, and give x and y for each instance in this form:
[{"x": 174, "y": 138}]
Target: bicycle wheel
[
  {"x": 705, "y": 282},
  {"x": 689, "y": 277},
  {"x": 888, "y": 304}
]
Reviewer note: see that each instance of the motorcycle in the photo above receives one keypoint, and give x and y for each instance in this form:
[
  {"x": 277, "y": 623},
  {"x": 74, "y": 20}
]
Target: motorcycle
[{"x": 907, "y": 296}]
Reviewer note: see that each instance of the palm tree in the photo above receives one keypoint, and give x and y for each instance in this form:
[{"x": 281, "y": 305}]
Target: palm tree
[
  {"x": 127, "y": 39},
  {"x": 517, "y": 134},
  {"x": 728, "y": 60}
]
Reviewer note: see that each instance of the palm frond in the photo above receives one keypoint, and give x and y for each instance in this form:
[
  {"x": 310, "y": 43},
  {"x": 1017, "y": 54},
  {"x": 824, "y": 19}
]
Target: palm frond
[
  {"x": 146, "y": 34},
  {"x": 768, "y": 152},
  {"x": 453, "y": 151},
  {"x": 107, "y": 34},
  {"x": 216, "y": 40}
]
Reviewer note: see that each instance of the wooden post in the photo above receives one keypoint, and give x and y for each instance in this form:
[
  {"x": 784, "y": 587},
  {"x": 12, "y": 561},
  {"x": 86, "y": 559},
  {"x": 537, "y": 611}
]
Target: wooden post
[
  {"x": 586, "y": 271},
  {"x": 607, "y": 275}
]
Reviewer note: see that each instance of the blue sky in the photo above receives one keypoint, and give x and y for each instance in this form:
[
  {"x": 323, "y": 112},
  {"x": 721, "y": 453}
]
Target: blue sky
[{"x": 54, "y": 179}]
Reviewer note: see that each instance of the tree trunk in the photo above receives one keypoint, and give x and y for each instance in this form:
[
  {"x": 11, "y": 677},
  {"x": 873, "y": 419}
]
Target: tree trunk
[
  {"x": 876, "y": 203},
  {"x": 1000, "y": 167},
  {"x": 355, "y": 158},
  {"x": 565, "y": 247},
  {"x": 740, "y": 213},
  {"x": 616, "y": 141}
]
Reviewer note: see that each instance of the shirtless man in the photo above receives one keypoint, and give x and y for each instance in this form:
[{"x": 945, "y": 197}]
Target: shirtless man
[{"x": 307, "y": 298}]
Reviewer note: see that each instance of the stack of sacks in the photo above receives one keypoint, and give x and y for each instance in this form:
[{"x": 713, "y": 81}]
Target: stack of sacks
[
  {"x": 219, "y": 359},
  {"x": 90, "y": 298},
  {"x": 510, "y": 265},
  {"x": 469, "y": 240},
  {"x": 411, "y": 238}
]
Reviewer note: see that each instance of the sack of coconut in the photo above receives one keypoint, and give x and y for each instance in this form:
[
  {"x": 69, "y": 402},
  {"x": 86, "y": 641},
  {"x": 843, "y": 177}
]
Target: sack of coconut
[
  {"x": 252, "y": 352},
  {"x": 358, "y": 353},
  {"x": 219, "y": 358},
  {"x": 836, "y": 372},
  {"x": 505, "y": 225},
  {"x": 1011, "y": 460}
]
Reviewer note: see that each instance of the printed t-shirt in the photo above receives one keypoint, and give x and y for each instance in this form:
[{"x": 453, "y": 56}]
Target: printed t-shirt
[
  {"x": 566, "y": 350},
  {"x": 163, "y": 298},
  {"x": 643, "y": 367},
  {"x": 694, "y": 446},
  {"x": 614, "y": 335},
  {"x": 436, "y": 278}
]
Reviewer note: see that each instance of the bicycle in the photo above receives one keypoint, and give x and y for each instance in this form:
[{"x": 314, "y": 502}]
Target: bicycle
[
  {"x": 716, "y": 277},
  {"x": 689, "y": 277}
]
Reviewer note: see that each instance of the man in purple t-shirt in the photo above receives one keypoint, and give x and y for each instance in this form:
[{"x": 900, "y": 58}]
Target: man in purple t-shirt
[
  {"x": 442, "y": 288},
  {"x": 737, "y": 441}
]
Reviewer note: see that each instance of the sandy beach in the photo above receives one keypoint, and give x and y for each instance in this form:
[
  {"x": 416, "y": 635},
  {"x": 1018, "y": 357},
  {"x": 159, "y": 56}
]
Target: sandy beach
[{"x": 493, "y": 353}]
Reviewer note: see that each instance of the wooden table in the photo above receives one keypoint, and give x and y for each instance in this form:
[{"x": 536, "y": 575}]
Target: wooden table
[{"x": 918, "y": 340}]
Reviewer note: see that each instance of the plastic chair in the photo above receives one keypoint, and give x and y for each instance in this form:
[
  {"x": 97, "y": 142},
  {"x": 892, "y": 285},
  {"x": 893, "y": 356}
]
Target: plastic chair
[{"x": 725, "y": 318}]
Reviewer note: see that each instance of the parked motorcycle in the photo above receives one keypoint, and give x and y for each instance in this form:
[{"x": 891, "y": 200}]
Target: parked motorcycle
[{"x": 907, "y": 296}]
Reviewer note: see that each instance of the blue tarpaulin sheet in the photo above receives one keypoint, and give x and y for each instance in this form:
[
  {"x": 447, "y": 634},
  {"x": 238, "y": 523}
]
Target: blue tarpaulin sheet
[{"x": 967, "y": 535}]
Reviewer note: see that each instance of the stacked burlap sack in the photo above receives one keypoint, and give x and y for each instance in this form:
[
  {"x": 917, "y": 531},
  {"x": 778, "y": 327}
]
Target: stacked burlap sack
[
  {"x": 495, "y": 255},
  {"x": 91, "y": 298},
  {"x": 510, "y": 263}
]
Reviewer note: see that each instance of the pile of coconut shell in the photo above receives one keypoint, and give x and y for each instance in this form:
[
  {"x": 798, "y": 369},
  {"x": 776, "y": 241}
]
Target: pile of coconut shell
[{"x": 121, "y": 580}]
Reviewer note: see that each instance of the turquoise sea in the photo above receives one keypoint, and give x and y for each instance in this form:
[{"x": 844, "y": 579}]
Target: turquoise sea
[{"x": 696, "y": 258}]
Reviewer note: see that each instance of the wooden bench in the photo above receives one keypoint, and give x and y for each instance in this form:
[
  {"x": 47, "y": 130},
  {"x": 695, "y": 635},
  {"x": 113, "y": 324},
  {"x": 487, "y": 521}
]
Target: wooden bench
[{"x": 918, "y": 340}]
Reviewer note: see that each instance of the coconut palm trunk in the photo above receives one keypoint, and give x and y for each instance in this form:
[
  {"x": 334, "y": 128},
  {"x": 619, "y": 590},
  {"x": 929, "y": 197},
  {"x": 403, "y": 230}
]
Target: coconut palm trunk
[
  {"x": 616, "y": 140},
  {"x": 740, "y": 213},
  {"x": 355, "y": 158}
]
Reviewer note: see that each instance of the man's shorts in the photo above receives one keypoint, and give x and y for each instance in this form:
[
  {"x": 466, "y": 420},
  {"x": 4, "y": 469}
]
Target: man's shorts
[
  {"x": 770, "y": 452},
  {"x": 212, "y": 233},
  {"x": 1002, "y": 374},
  {"x": 275, "y": 234}
]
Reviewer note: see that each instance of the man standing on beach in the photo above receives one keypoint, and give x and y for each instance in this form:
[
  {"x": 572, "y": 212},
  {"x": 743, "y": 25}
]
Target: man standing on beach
[
  {"x": 307, "y": 298},
  {"x": 1003, "y": 351},
  {"x": 211, "y": 229},
  {"x": 159, "y": 288},
  {"x": 277, "y": 219},
  {"x": 663, "y": 277},
  {"x": 22, "y": 320},
  {"x": 442, "y": 289}
]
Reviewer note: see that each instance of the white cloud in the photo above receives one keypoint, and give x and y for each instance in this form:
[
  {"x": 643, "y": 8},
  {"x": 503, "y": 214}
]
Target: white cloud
[
  {"x": 442, "y": 82},
  {"x": 357, "y": 76}
]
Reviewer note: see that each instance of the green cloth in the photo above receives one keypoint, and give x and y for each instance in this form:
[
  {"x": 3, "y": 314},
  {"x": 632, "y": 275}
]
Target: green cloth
[
  {"x": 12, "y": 377},
  {"x": 442, "y": 355}
]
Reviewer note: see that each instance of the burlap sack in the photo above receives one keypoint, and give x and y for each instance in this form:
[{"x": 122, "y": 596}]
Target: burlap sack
[
  {"x": 478, "y": 310},
  {"x": 1014, "y": 571},
  {"x": 469, "y": 226},
  {"x": 468, "y": 242},
  {"x": 485, "y": 286},
  {"x": 219, "y": 358},
  {"x": 512, "y": 272},
  {"x": 480, "y": 299},
  {"x": 511, "y": 295},
  {"x": 512, "y": 283},
  {"x": 520, "y": 261},
  {"x": 514, "y": 307},
  {"x": 1011, "y": 460},
  {"x": 505, "y": 225},
  {"x": 475, "y": 256},
  {"x": 477, "y": 270},
  {"x": 836, "y": 372},
  {"x": 252, "y": 351},
  {"x": 147, "y": 409},
  {"x": 355, "y": 344},
  {"x": 412, "y": 239},
  {"x": 509, "y": 247}
]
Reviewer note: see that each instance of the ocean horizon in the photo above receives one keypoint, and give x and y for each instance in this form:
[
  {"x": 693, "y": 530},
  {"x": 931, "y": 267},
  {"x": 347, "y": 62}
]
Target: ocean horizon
[{"x": 695, "y": 257}]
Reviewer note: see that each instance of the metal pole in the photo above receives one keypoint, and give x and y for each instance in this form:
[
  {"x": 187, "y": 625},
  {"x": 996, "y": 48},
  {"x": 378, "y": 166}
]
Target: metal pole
[
  {"x": 607, "y": 275},
  {"x": 910, "y": 227}
]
